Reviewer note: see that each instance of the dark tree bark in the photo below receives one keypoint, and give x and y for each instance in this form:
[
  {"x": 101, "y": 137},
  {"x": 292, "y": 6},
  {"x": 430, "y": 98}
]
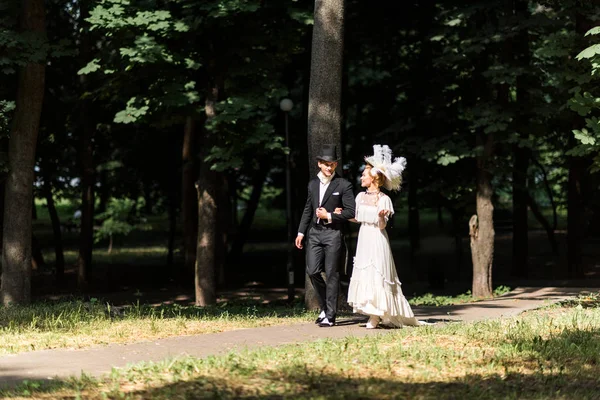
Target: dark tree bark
[
  {"x": 59, "y": 263},
  {"x": 550, "y": 195},
  {"x": 207, "y": 187},
  {"x": 17, "y": 234},
  {"x": 481, "y": 225},
  {"x": 189, "y": 199},
  {"x": 325, "y": 89},
  {"x": 86, "y": 161}
]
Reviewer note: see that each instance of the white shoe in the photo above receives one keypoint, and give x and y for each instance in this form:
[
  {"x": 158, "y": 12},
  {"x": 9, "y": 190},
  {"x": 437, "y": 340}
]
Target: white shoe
[{"x": 373, "y": 322}]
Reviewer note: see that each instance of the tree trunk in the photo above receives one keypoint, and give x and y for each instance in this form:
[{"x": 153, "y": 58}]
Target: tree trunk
[
  {"x": 86, "y": 163},
  {"x": 208, "y": 196},
  {"x": 59, "y": 263},
  {"x": 324, "y": 105},
  {"x": 550, "y": 195},
  {"x": 189, "y": 199},
  {"x": 481, "y": 225},
  {"x": 16, "y": 248}
]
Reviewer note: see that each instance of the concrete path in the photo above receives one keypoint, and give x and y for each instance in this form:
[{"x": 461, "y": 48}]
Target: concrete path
[{"x": 57, "y": 364}]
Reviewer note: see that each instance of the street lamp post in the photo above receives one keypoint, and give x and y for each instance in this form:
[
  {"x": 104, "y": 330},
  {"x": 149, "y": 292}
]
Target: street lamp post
[{"x": 286, "y": 106}]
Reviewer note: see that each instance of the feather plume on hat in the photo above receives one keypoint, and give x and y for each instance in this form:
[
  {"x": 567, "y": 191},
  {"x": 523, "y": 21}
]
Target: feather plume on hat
[{"x": 381, "y": 161}]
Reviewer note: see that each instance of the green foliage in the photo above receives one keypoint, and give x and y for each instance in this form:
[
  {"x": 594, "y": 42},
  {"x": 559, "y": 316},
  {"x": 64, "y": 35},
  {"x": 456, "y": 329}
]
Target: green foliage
[
  {"x": 119, "y": 219},
  {"x": 587, "y": 104}
]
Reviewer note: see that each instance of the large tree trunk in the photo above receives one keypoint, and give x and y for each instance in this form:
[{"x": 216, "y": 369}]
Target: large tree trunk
[
  {"x": 17, "y": 233},
  {"x": 189, "y": 199},
  {"x": 324, "y": 104},
  {"x": 481, "y": 226},
  {"x": 86, "y": 162},
  {"x": 59, "y": 263},
  {"x": 208, "y": 197}
]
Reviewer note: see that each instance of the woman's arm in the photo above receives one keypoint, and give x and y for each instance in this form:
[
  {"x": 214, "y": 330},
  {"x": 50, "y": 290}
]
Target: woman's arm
[
  {"x": 383, "y": 218},
  {"x": 339, "y": 211}
]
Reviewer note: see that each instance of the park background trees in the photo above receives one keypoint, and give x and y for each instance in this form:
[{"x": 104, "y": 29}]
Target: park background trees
[{"x": 174, "y": 104}]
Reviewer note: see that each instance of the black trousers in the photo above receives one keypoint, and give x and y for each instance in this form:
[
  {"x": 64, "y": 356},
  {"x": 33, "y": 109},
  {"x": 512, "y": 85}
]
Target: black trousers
[{"x": 325, "y": 251}]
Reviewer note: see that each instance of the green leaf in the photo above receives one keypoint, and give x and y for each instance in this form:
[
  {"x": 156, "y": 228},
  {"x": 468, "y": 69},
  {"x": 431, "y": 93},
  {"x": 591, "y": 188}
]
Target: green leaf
[
  {"x": 92, "y": 66},
  {"x": 589, "y": 52},
  {"x": 584, "y": 137},
  {"x": 593, "y": 31}
]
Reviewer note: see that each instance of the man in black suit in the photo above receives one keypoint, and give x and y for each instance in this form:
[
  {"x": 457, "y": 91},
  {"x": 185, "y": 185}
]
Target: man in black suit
[{"x": 326, "y": 249}]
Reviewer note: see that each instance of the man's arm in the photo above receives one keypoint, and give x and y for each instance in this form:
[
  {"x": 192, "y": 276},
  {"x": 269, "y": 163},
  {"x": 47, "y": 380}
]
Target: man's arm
[
  {"x": 348, "y": 205},
  {"x": 306, "y": 218}
]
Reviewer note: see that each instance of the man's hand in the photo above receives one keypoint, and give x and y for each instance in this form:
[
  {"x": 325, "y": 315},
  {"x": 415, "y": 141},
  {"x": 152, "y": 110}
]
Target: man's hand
[
  {"x": 299, "y": 241},
  {"x": 338, "y": 210},
  {"x": 322, "y": 213}
]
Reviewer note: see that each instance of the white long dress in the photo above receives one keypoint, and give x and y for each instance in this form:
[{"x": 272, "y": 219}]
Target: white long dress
[{"x": 374, "y": 286}]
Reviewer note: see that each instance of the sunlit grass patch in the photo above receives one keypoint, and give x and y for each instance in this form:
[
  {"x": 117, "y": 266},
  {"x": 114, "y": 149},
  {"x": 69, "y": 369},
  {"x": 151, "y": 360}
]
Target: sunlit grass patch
[
  {"x": 78, "y": 324},
  {"x": 429, "y": 299},
  {"x": 534, "y": 356}
]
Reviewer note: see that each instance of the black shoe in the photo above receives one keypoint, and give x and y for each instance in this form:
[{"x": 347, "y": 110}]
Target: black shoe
[{"x": 326, "y": 323}]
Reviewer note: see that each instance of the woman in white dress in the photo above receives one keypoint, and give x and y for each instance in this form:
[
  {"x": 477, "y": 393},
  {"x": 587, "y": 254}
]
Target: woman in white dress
[{"x": 375, "y": 289}]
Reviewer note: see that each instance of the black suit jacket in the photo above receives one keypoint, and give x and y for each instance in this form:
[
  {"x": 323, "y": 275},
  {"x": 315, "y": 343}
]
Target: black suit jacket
[{"x": 338, "y": 194}]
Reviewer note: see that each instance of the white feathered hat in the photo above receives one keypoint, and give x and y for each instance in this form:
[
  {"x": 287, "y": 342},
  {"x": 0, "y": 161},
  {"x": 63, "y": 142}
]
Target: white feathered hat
[{"x": 381, "y": 161}]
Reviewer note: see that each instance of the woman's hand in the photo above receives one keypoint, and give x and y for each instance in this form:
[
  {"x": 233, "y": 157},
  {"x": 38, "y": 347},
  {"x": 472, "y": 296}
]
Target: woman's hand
[
  {"x": 338, "y": 210},
  {"x": 384, "y": 213}
]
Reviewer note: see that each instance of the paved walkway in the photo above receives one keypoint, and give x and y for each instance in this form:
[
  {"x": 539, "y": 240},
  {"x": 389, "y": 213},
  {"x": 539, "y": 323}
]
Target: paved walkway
[{"x": 56, "y": 364}]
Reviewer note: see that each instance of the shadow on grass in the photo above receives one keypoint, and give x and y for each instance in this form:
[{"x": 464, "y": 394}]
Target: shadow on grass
[{"x": 566, "y": 366}]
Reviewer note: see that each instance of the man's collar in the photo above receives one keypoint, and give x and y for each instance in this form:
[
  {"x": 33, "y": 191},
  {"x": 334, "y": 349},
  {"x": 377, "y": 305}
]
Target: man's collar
[{"x": 324, "y": 179}]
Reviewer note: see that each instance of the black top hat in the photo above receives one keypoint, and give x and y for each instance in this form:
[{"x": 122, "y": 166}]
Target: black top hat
[{"x": 328, "y": 153}]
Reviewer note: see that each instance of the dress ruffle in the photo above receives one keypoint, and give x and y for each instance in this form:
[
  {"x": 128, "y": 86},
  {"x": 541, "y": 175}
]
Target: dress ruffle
[{"x": 371, "y": 294}]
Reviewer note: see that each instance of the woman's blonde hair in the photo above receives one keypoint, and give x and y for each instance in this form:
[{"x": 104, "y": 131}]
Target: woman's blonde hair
[{"x": 378, "y": 178}]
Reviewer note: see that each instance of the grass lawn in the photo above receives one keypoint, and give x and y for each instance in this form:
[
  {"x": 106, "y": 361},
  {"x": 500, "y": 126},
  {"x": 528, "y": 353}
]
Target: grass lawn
[
  {"x": 552, "y": 353},
  {"x": 77, "y": 324}
]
